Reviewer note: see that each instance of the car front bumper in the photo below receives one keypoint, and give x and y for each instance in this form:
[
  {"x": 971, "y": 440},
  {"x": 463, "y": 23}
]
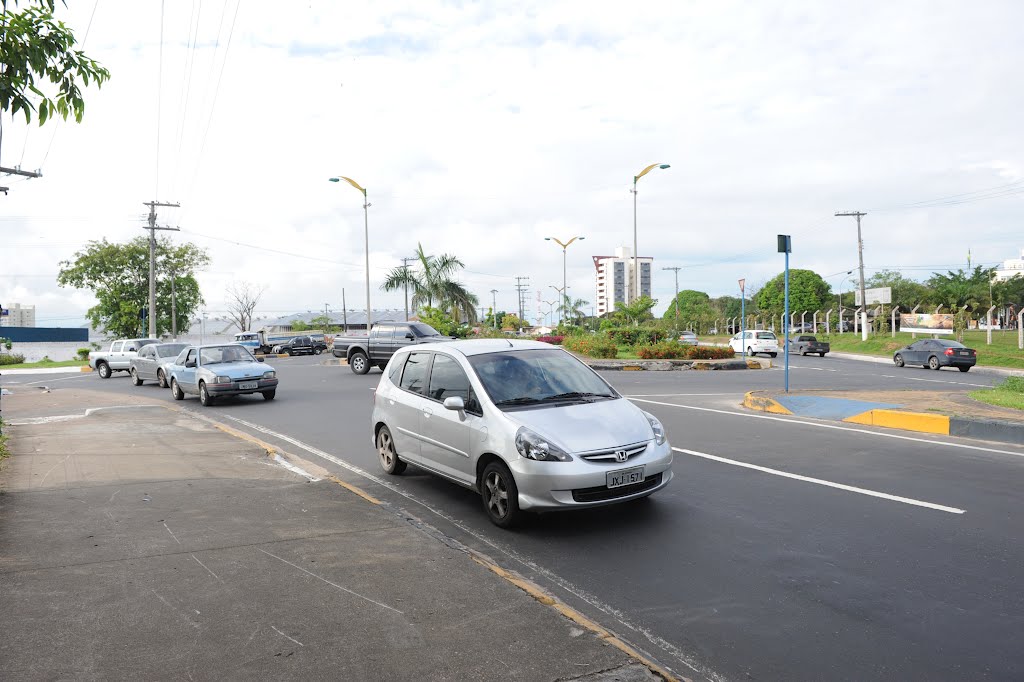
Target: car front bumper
[
  {"x": 233, "y": 387},
  {"x": 580, "y": 483}
]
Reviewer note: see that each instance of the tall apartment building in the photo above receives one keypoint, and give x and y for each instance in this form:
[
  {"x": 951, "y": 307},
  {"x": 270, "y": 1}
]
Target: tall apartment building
[
  {"x": 1010, "y": 268},
  {"x": 615, "y": 279},
  {"x": 19, "y": 316}
]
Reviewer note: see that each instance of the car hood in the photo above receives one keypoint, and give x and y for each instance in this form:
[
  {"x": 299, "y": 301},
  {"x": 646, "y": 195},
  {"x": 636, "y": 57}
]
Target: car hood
[
  {"x": 240, "y": 370},
  {"x": 588, "y": 426}
]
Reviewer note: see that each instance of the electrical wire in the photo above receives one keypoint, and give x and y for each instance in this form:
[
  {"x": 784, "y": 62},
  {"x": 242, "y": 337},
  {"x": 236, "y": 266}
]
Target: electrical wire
[{"x": 186, "y": 85}]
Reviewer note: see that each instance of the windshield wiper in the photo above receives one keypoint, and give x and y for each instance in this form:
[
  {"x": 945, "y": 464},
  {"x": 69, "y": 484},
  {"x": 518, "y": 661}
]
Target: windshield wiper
[
  {"x": 519, "y": 401},
  {"x": 576, "y": 394}
]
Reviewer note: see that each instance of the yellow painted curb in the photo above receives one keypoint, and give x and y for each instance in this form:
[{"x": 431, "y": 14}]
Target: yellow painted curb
[
  {"x": 85, "y": 369},
  {"x": 763, "y": 403},
  {"x": 908, "y": 421},
  {"x": 351, "y": 488},
  {"x": 575, "y": 616}
]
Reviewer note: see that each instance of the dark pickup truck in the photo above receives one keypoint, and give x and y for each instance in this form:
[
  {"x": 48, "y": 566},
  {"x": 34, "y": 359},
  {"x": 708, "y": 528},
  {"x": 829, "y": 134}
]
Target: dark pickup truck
[
  {"x": 805, "y": 345},
  {"x": 300, "y": 345},
  {"x": 385, "y": 338}
]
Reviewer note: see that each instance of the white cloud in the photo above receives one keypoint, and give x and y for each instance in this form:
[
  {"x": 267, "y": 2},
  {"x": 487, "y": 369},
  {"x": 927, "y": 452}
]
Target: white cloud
[{"x": 480, "y": 129}]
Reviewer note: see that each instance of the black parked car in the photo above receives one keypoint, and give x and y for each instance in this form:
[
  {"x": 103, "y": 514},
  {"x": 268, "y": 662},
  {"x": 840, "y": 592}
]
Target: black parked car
[
  {"x": 936, "y": 354},
  {"x": 300, "y": 345}
]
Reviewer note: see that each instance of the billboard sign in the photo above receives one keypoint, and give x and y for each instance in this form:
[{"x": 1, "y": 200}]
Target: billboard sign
[
  {"x": 927, "y": 324},
  {"x": 881, "y": 295}
]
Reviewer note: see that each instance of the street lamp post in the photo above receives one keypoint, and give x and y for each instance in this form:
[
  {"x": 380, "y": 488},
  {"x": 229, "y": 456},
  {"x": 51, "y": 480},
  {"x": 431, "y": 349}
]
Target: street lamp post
[
  {"x": 636, "y": 263},
  {"x": 564, "y": 245},
  {"x": 494, "y": 307},
  {"x": 366, "y": 236}
]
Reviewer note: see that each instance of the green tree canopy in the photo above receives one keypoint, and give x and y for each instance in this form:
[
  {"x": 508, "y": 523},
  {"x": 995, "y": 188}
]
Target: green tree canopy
[
  {"x": 906, "y": 293},
  {"x": 432, "y": 282},
  {"x": 807, "y": 291},
  {"x": 118, "y": 275},
  {"x": 960, "y": 288},
  {"x": 637, "y": 311},
  {"x": 35, "y": 49},
  {"x": 1009, "y": 292}
]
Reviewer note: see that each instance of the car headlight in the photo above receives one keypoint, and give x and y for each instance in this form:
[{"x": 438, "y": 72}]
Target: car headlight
[
  {"x": 659, "y": 430},
  {"x": 269, "y": 375},
  {"x": 222, "y": 380},
  {"x": 532, "y": 445}
]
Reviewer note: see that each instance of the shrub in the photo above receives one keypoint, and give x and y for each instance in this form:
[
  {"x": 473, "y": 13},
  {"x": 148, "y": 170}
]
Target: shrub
[
  {"x": 709, "y": 353},
  {"x": 554, "y": 340},
  {"x": 665, "y": 350},
  {"x": 1015, "y": 384},
  {"x": 5, "y": 342},
  {"x": 82, "y": 353},
  {"x": 11, "y": 358},
  {"x": 592, "y": 346},
  {"x": 631, "y": 336}
]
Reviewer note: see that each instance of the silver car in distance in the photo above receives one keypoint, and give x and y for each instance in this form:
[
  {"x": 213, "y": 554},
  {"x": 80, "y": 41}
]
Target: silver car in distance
[{"x": 525, "y": 424}]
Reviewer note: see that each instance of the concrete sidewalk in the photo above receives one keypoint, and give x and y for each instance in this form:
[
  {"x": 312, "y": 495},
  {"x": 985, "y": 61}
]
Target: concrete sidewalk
[
  {"x": 139, "y": 541},
  {"x": 938, "y": 412}
]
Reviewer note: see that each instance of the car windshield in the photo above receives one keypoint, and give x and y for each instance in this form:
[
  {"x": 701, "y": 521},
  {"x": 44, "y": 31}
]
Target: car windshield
[
  {"x": 766, "y": 335},
  {"x": 534, "y": 377},
  {"x": 170, "y": 350},
  {"x": 216, "y": 355},
  {"x": 420, "y": 329}
]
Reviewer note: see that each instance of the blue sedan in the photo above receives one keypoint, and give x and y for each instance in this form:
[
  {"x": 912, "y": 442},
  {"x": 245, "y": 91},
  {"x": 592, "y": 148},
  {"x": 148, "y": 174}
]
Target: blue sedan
[{"x": 220, "y": 370}]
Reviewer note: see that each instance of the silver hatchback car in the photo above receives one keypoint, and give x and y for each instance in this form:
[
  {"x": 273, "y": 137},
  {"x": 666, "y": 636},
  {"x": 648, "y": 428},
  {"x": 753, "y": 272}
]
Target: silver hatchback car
[{"x": 525, "y": 424}]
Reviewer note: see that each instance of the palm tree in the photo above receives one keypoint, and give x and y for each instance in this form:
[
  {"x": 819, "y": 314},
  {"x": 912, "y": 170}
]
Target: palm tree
[
  {"x": 431, "y": 282},
  {"x": 573, "y": 310}
]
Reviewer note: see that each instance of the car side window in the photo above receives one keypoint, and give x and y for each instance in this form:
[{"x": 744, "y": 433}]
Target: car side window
[
  {"x": 414, "y": 378},
  {"x": 146, "y": 352},
  {"x": 395, "y": 370},
  {"x": 116, "y": 348},
  {"x": 447, "y": 380},
  {"x": 191, "y": 357}
]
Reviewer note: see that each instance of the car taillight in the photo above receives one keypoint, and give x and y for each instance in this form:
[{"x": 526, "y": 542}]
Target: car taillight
[{"x": 949, "y": 351}]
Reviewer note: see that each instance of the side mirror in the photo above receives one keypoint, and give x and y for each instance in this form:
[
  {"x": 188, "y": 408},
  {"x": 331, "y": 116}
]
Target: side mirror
[
  {"x": 259, "y": 359},
  {"x": 455, "y": 403},
  {"x": 190, "y": 363},
  {"x": 409, "y": 336}
]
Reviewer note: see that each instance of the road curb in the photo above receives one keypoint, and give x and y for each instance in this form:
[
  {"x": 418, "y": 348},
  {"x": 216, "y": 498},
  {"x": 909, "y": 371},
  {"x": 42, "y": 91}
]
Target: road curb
[
  {"x": 905, "y": 421},
  {"x": 763, "y": 403},
  {"x": 675, "y": 365}
]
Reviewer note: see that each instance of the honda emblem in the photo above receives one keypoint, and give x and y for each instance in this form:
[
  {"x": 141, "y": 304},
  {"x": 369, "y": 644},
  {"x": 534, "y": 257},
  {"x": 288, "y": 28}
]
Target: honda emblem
[{"x": 621, "y": 456}]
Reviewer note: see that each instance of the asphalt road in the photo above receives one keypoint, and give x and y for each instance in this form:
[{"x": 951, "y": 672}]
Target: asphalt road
[{"x": 847, "y": 553}]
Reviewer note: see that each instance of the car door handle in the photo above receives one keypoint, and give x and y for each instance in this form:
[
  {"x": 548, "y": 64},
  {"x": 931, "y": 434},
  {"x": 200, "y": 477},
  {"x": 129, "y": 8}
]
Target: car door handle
[{"x": 427, "y": 413}]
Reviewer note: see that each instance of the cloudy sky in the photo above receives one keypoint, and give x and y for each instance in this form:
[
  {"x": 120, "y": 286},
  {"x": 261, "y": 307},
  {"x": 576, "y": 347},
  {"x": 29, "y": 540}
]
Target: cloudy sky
[{"x": 481, "y": 128}]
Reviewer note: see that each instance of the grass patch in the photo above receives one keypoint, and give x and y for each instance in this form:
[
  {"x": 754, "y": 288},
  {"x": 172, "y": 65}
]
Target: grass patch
[
  {"x": 1010, "y": 394},
  {"x": 4, "y": 452},
  {"x": 46, "y": 363}
]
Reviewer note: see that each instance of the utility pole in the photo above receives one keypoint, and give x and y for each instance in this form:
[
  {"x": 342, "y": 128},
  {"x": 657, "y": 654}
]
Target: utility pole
[
  {"x": 405, "y": 268},
  {"x": 153, "y": 227},
  {"x": 174, "y": 308},
  {"x": 494, "y": 307},
  {"x": 344, "y": 313},
  {"x": 521, "y": 289},
  {"x": 675, "y": 300},
  {"x": 860, "y": 255},
  {"x": 17, "y": 171}
]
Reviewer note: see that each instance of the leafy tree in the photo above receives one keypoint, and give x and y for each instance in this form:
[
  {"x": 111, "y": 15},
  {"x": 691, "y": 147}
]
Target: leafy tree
[
  {"x": 34, "y": 49},
  {"x": 960, "y": 288},
  {"x": 322, "y": 322},
  {"x": 694, "y": 309},
  {"x": 118, "y": 275},
  {"x": 510, "y": 321},
  {"x": 443, "y": 322},
  {"x": 906, "y": 293},
  {"x": 300, "y": 326},
  {"x": 637, "y": 311},
  {"x": 491, "y": 317},
  {"x": 807, "y": 291},
  {"x": 431, "y": 280},
  {"x": 573, "y": 310},
  {"x": 1009, "y": 292}
]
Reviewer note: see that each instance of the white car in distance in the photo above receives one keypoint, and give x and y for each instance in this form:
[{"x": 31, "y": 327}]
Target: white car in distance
[{"x": 756, "y": 341}]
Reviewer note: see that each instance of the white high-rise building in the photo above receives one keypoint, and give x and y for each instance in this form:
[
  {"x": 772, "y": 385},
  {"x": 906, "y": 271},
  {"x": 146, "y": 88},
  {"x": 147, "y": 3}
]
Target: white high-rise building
[
  {"x": 1010, "y": 268},
  {"x": 615, "y": 280},
  {"x": 19, "y": 316}
]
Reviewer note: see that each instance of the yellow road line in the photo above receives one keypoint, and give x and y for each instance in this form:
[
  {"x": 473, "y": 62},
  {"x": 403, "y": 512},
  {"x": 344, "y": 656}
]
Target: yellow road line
[
  {"x": 351, "y": 488},
  {"x": 763, "y": 403},
  {"x": 908, "y": 421},
  {"x": 575, "y": 616}
]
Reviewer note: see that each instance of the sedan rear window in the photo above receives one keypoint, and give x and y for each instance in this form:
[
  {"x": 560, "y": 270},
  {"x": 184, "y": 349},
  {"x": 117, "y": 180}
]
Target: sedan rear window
[
  {"x": 768, "y": 336},
  {"x": 170, "y": 350}
]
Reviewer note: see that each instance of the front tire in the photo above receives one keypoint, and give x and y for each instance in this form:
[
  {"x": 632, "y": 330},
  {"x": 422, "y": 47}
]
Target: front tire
[
  {"x": 290, "y": 352},
  {"x": 103, "y": 369},
  {"x": 750, "y": 352},
  {"x": 359, "y": 363},
  {"x": 161, "y": 378},
  {"x": 774, "y": 355},
  {"x": 269, "y": 395},
  {"x": 964, "y": 369},
  {"x": 933, "y": 363},
  {"x": 318, "y": 351},
  {"x": 205, "y": 399},
  {"x": 176, "y": 391},
  {"x": 500, "y": 495},
  {"x": 135, "y": 377},
  {"x": 898, "y": 360},
  {"x": 386, "y": 454}
]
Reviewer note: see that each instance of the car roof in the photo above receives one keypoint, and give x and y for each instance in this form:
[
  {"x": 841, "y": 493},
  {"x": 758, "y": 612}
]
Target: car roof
[{"x": 469, "y": 347}]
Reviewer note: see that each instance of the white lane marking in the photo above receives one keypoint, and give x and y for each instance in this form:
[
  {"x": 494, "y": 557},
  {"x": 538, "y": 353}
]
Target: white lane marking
[
  {"x": 294, "y": 469},
  {"x": 512, "y": 554},
  {"x": 286, "y": 636},
  {"x": 207, "y": 568},
  {"x": 343, "y": 589},
  {"x": 172, "y": 533},
  {"x": 937, "y": 381},
  {"x": 819, "y": 481},
  {"x": 880, "y": 434}
]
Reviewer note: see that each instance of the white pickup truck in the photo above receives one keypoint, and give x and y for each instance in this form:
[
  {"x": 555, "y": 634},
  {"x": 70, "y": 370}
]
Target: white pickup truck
[{"x": 118, "y": 358}]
